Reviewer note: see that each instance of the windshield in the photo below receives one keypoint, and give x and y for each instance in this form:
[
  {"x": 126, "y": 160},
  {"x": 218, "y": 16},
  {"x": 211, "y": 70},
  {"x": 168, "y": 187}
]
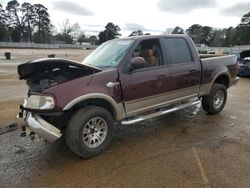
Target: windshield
[{"x": 108, "y": 54}]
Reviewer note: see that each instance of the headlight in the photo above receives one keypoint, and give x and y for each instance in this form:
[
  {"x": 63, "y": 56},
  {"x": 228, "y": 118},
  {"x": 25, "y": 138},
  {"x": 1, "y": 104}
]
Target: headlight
[{"x": 40, "y": 102}]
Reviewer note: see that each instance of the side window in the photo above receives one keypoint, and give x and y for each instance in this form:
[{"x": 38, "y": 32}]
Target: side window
[
  {"x": 178, "y": 50},
  {"x": 150, "y": 50}
]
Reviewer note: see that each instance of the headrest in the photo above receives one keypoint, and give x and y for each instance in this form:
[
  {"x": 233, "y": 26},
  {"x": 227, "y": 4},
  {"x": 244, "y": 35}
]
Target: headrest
[{"x": 147, "y": 53}]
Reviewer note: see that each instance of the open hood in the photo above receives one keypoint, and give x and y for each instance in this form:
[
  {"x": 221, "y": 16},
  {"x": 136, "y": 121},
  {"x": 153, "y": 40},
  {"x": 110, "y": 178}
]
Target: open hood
[
  {"x": 42, "y": 74},
  {"x": 46, "y": 65}
]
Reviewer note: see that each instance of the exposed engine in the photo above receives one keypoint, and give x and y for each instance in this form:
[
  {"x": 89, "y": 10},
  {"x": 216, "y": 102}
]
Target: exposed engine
[
  {"x": 41, "y": 81},
  {"x": 42, "y": 74}
]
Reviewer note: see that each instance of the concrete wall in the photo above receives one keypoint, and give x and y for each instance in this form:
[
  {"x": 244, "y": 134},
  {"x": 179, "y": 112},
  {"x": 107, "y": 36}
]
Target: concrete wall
[{"x": 44, "y": 46}]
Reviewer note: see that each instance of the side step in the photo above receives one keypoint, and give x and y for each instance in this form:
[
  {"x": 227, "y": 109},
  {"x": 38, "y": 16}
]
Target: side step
[{"x": 159, "y": 113}]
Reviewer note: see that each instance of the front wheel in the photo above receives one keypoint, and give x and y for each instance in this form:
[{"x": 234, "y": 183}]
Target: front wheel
[
  {"x": 89, "y": 131},
  {"x": 216, "y": 100}
]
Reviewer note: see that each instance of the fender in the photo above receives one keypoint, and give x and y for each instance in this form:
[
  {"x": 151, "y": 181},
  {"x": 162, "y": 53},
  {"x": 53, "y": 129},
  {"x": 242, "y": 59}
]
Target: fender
[
  {"x": 217, "y": 76},
  {"x": 118, "y": 107}
]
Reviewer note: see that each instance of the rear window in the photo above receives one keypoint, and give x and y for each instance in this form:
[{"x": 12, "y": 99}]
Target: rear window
[{"x": 178, "y": 50}]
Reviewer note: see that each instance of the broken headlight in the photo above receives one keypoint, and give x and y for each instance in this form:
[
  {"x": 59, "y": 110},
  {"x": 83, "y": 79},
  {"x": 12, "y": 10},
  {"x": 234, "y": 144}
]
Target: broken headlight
[{"x": 40, "y": 102}]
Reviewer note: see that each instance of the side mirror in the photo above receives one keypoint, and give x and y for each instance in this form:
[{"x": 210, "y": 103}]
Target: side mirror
[{"x": 137, "y": 63}]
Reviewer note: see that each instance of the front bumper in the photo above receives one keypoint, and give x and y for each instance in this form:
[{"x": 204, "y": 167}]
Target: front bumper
[{"x": 41, "y": 127}]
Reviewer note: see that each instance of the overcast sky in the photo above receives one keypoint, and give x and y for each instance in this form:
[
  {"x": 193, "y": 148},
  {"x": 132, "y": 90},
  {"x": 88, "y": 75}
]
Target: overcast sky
[{"x": 153, "y": 16}]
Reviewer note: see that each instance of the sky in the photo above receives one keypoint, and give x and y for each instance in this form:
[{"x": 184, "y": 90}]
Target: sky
[{"x": 153, "y": 16}]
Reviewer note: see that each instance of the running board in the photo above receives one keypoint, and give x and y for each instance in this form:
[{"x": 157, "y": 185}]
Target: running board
[{"x": 159, "y": 113}]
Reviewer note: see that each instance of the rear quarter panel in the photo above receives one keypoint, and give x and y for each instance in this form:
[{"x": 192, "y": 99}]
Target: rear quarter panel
[{"x": 216, "y": 66}]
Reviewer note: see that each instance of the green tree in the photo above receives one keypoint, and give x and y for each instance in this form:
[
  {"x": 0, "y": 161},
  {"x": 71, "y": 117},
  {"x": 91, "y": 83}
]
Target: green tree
[
  {"x": 81, "y": 39},
  {"x": 42, "y": 23},
  {"x": 200, "y": 34},
  {"x": 111, "y": 32},
  {"x": 178, "y": 30},
  {"x": 136, "y": 33},
  {"x": 218, "y": 38},
  {"x": 242, "y": 33},
  {"x": 12, "y": 12},
  {"x": 245, "y": 20},
  {"x": 194, "y": 31},
  {"x": 93, "y": 39},
  {"x": 3, "y": 25},
  {"x": 28, "y": 18},
  {"x": 229, "y": 37},
  {"x": 206, "y": 35}
]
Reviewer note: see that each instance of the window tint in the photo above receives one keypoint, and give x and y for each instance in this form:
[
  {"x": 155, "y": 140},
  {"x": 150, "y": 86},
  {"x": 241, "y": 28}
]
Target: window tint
[{"x": 178, "y": 50}]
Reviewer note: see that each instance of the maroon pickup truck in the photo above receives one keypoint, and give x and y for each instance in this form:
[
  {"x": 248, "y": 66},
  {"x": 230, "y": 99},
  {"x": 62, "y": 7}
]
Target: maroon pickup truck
[{"x": 123, "y": 81}]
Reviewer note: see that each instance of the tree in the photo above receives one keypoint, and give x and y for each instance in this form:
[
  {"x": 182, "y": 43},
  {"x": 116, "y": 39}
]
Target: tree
[
  {"x": 194, "y": 31},
  {"x": 102, "y": 37},
  {"x": 12, "y": 10},
  {"x": 178, "y": 30},
  {"x": 28, "y": 19},
  {"x": 229, "y": 36},
  {"x": 70, "y": 33},
  {"x": 111, "y": 32},
  {"x": 218, "y": 38},
  {"x": 200, "y": 34},
  {"x": 136, "y": 33},
  {"x": 81, "y": 39},
  {"x": 3, "y": 25},
  {"x": 242, "y": 36},
  {"x": 245, "y": 20},
  {"x": 92, "y": 39},
  {"x": 206, "y": 35},
  {"x": 76, "y": 32},
  {"x": 42, "y": 23}
]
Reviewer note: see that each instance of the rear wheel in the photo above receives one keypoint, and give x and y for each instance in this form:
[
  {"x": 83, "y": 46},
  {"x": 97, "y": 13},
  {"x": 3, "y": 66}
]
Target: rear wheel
[
  {"x": 89, "y": 131},
  {"x": 216, "y": 100}
]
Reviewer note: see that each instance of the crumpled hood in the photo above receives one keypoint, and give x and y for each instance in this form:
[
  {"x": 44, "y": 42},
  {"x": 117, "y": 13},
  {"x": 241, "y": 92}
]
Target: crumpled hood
[{"x": 42, "y": 65}]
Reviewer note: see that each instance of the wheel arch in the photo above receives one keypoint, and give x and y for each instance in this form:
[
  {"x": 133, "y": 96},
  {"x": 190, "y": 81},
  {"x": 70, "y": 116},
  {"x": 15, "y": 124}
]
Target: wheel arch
[
  {"x": 97, "y": 99},
  {"x": 222, "y": 78}
]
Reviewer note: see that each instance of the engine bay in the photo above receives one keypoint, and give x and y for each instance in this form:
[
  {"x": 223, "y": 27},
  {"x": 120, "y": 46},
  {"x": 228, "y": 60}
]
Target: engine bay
[
  {"x": 45, "y": 73},
  {"x": 41, "y": 81}
]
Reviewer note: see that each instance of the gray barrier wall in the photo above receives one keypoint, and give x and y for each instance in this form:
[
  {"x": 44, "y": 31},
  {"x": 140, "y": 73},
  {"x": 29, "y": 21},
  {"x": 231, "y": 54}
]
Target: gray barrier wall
[{"x": 44, "y": 46}]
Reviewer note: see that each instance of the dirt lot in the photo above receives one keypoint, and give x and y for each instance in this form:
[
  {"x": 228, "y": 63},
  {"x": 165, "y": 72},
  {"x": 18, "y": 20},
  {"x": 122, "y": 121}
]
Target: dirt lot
[{"x": 176, "y": 150}]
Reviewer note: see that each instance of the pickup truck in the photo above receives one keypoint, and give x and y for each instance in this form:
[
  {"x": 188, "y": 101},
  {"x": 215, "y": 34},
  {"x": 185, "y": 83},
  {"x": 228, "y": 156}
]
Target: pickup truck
[{"x": 124, "y": 81}]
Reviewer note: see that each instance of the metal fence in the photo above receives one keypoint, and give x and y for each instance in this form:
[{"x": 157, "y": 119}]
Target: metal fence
[{"x": 45, "y": 46}]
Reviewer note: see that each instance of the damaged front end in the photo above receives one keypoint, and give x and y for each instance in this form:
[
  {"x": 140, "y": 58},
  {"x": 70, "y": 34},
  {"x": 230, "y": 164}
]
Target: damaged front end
[
  {"x": 38, "y": 107},
  {"x": 42, "y": 74}
]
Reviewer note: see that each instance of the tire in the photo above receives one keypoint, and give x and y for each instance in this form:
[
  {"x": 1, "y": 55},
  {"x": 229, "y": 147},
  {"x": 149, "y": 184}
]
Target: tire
[
  {"x": 216, "y": 100},
  {"x": 89, "y": 131}
]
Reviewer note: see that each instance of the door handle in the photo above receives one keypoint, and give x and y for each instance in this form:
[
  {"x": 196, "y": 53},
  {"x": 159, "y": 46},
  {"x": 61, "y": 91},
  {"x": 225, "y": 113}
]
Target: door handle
[
  {"x": 161, "y": 76},
  {"x": 111, "y": 84},
  {"x": 192, "y": 70}
]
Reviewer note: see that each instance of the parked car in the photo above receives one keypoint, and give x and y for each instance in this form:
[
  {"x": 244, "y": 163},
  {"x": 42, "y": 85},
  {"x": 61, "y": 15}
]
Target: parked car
[
  {"x": 244, "y": 63},
  {"x": 123, "y": 81}
]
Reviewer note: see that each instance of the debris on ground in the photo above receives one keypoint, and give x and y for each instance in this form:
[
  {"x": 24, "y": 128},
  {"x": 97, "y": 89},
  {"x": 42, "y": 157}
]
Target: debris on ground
[
  {"x": 20, "y": 149},
  {"x": 8, "y": 128}
]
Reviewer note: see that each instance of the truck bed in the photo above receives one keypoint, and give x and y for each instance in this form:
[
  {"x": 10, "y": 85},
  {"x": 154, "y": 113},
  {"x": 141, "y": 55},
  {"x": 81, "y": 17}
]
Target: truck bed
[{"x": 214, "y": 65}]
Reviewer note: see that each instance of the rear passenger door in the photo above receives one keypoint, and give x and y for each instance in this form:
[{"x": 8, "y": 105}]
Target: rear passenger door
[{"x": 185, "y": 71}]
